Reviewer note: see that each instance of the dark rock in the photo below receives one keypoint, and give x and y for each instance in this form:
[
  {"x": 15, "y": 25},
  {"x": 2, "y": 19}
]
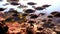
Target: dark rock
[{"x": 3, "y": 28}]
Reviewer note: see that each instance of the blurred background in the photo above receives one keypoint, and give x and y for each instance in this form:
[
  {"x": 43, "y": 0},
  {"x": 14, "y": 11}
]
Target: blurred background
[{"x": 55, "y": 5}]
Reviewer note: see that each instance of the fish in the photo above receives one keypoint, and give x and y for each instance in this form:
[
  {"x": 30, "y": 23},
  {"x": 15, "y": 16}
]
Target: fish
[
  {"x": 2, "y": 9},
  {"x": 33, "y": 16},
  {"x": 31, "y": 22},
  {"x": 8, "y": 19},
  {"x": 39, "y": 8},
  {"x": 15, "y": 15},
  {"x": 22, "y": 6},
  {"x": 46, "y": 6},
  {"x": 13, "y": 11},
  {"x": 44, "y": 20},
  {"x": 14, "y": 3},
  {"x": 49, "y": 16},
  {"x": 29, "y": 11},
  {"x": 49, "y": 19},
  {"x": 31, "y": 3},
  {"x": 57, "y": 15},
  {"x": 12, "y": 0},
  {"x": 55, "y": 12},
  {"x": 24, "y": 14},
  {"x": 42, "y": 13}
]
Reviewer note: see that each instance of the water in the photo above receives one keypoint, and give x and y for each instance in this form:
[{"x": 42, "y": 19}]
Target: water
[{"x": 55, "y": 5}]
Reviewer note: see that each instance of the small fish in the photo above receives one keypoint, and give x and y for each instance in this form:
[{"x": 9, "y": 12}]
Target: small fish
[
  {"x": 24, "y": 14},
  {"x": 52, "y": 25},
  {"x": 33, "y": 16},
  {"x": 50, "y": 16},
  {"x": 42, "y": 13},
  {"x": 14, "y": 3},
  {"x": 22, "y": 6},
  {"x": 13, "y": 11},
  {"x": 49, "y": 19},
  {"x": 39, "y": 8},
  {"x": 31, "y": 22},
  {"x": 44, "y": 20},
  {"x": 8, "y": 20},
  {"x": 57, "y": 15},
  {"x": 12, "y": 0},
  {"x": 16, "y": 18},
  {"x": 46, "y": 6},
  {"x": 29, "y": 11},
  {"x": 55, "y": 12},
  {"x": 31, "y": 3},
  {"x": 2, "y": 9},
  {"x": 14, "y": 15}
]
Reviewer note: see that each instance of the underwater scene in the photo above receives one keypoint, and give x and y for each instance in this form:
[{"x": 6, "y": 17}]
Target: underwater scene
[{"x": 29, "y": 16}]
